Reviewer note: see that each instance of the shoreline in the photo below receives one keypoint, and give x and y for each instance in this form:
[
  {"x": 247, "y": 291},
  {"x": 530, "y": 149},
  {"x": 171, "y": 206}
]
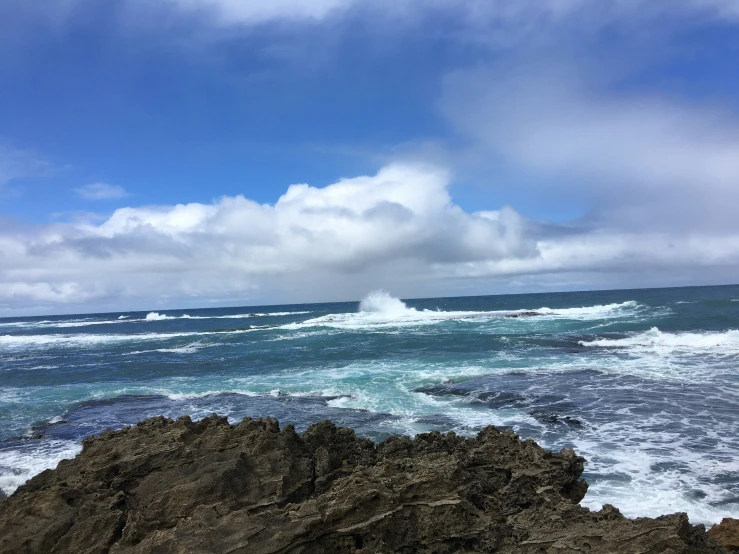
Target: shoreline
[{"x": 255, "y": 487}]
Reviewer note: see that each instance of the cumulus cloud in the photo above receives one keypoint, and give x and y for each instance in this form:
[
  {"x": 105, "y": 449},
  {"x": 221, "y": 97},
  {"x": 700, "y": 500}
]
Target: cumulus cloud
[
  {"x": 398, "y": 229},
  {"x": 397, "y": 224},
  {"x": 101, "y": 191}
]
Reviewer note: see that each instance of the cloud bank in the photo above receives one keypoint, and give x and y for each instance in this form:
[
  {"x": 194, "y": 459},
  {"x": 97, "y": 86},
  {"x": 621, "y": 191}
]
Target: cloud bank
[{"x": 398, "y": 228}]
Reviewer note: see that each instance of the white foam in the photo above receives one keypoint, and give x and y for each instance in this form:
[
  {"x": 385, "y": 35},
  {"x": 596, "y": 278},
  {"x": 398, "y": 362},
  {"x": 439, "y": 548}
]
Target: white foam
[
  {"x": 156, "y": 316},
  {"x": 187, "y": 349},
  {"x": 80, "y": 340},
  {"x": 195, "y": 395},
  {"x": 18, "y": 465},
  {"x": 645, "y": 486},
  {"x": 379, "y": 309},
  {"x": 655, "y": 340},
  {"x": 150, "y": 317},
  {"x": 23, "y": 342},
  {"x": 593, "y": 312}
]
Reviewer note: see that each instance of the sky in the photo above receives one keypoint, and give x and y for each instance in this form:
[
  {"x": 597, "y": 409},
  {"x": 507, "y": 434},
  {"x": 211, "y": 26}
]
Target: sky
[{"x": 191, "y": 153}]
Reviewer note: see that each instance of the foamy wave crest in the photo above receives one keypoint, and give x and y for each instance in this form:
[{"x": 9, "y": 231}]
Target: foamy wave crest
[
  {"x": 156, "y": 316},
  {"x": 380, "y": 309},
  {"x": 187, "y": 349},
  {"x": 242, "y": 316},
  {"x": 594, "y": 312},
  {"x": 81, "y": 340},
  {"x": 654, "y": 339}
]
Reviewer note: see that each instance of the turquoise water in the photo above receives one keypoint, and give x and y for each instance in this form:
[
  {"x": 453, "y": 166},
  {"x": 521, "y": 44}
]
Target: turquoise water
[{"x": 643, "y": 383}]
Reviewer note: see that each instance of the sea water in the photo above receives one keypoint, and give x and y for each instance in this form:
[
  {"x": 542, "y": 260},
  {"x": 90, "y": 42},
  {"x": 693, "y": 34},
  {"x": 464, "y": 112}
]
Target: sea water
[{"x": 643, "y": 383}]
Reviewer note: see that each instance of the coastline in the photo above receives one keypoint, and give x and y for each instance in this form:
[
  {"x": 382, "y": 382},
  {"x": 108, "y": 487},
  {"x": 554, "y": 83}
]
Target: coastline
[{"x": 209, "y": 486}]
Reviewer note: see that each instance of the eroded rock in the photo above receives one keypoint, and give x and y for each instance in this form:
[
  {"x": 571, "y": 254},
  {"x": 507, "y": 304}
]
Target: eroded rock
[
  {"x": 207, "y": 486},
  {"x": 727, "y": 533}
]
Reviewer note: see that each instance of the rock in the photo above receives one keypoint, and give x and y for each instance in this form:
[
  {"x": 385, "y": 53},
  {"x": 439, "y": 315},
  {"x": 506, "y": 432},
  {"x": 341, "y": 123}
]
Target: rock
[
  {"x": 207, "y": 486},
  {"x": 727, "y": 533},
  {"x": 524, "y": 314},
  {"x": 547, "y": 417}
]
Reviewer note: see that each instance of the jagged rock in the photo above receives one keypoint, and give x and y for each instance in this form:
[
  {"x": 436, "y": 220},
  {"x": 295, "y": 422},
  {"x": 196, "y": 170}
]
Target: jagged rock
[
  {"x": 727, "y": 533},
  {"x": 206, "y": 486}
]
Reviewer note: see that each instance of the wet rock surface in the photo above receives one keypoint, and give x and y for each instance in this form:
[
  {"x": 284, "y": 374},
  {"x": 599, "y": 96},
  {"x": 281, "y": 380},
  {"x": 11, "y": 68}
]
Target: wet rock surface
[{"x": 207, "y": 486}]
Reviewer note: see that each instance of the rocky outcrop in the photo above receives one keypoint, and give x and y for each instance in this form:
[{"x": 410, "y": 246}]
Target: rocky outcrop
[
  {"x": 207, "y": 486},
  {"x": 727, "y": 533}
]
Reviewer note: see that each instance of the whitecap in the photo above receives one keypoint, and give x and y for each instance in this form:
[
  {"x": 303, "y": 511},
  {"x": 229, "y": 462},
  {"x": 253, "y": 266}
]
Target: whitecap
[
  {"x": 654, "y": 339},
  {"x": 379, "y": 309},
  {"x": 156, "y": 316}
]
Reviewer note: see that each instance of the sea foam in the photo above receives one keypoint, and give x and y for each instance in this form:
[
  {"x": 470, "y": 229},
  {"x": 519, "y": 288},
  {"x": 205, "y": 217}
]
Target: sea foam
[
  {"x": 380, "y": 309},
  {"x": 657, "y": 340}
]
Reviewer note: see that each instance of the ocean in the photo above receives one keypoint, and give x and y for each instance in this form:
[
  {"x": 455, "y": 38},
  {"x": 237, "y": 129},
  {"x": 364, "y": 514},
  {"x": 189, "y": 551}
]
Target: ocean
[{"x": 643, "y": 383}]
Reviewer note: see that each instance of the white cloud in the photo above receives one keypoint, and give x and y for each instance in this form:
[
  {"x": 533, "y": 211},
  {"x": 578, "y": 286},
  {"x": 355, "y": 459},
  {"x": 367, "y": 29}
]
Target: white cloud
[
  {"x": 101, "y": 191},
  {"x": 398, "y": 229},
  {"x": 394, "y": 226}
]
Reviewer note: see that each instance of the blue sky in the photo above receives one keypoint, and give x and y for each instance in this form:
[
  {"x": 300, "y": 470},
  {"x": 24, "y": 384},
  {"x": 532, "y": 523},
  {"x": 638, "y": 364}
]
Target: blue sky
[{"x": 563, "y": 145}]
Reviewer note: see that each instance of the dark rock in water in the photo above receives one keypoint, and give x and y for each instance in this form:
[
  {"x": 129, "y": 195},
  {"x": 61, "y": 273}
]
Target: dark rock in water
[
  {"x": 547, "y": 417},
  {"x": 493, "y": 399},
  {"x": 524, "y": 314},
  {"x": 727, "y": 533},
  {"x": 180, "y": 486}
]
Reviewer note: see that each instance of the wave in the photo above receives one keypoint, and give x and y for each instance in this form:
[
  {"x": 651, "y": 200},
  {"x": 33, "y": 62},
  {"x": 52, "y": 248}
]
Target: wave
[
  {"x": 150, "y": 317},
  {"x": 15, "y": 342},
  {"x": 593, "y": 312},
  {"x": 380, "y": 309},
  {"x": 658, "y": 340},
  {"x": 187, "y": 349},
  {"x": 156, "y": 316}
]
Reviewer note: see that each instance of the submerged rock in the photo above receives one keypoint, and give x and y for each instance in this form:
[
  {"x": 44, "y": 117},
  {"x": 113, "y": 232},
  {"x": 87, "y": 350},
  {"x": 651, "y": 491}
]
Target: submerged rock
[{"x": 207, "y": 486}]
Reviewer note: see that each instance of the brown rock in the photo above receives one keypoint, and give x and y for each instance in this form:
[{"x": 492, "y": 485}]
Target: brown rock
[
  {"x": 196, "y": 487},
  {"x": 727, "y": 533}
]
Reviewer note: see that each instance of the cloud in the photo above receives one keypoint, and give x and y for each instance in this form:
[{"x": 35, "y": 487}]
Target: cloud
[
  {"x": 397, "y": 229},
  {"x": 395, "y": 226},
  {"x": 101, "y": 191},
  {"x": 644, "y": 158},
  {"x": 249, "y": 13},
  {"x": 19, "y": 164}
]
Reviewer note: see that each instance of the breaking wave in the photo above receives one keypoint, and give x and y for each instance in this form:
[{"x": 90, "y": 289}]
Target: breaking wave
[
  {"x": 654, "y": 339},
  {"x": 380, "y": 309}
]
